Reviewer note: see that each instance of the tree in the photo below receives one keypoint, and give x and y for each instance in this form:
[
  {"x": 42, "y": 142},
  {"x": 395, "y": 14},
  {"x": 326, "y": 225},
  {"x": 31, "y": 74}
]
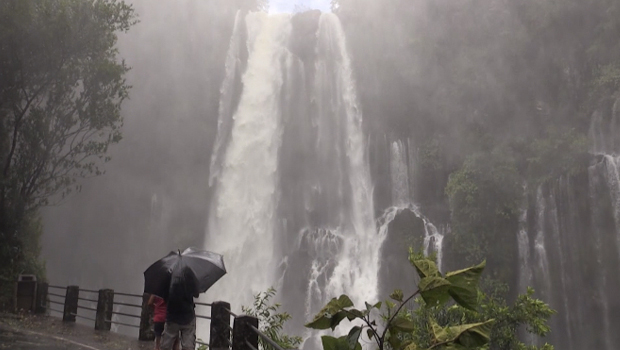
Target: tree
[
  {"x": 527, "y": 313},
  {"x": 485, "y": 197},
  {"x": 271, "y": 322},
  {"x": 61, "y": 89}
]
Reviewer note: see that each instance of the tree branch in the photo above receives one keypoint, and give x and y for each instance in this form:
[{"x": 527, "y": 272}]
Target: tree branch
[{"x": 394, "y": 316}]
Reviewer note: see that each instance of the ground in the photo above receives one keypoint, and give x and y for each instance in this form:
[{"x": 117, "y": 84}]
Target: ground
[{"x": 28, "y": 332}]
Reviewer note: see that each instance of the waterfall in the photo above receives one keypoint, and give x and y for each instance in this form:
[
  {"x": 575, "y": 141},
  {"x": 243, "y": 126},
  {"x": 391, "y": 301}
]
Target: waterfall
[
  {"x": 292, "y": 203},
  {"x": 576, "y": 240},
  {"x": 242, "y": 219},
  {"x": 433, "y": 238},
  {"x": 561, "y": 246},
  {"x": 612, "y": 167},
  {"x": 399, "y": 172},
  {"x": 357, "y": 266},
  {"x": 601, "y": 283},
  {"x": 227, "y": 96},
  {"x": 525, "y": 268},
  {"x": 540, "y": 251},
  {"x": 402, "y": 164}
]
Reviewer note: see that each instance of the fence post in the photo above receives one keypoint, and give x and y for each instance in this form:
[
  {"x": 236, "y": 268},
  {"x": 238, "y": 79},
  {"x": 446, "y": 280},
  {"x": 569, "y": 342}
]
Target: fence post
[
  {"x": 26, "y": 293},
  {"x": 41, "y": 306},
  {"x": 243, "y": 334},
  {"x": 105, "y": 304},
  {"x": 71, "y": 303},
  {"x": 146, "y": 320},
  {"x": 219, "y": 337}
]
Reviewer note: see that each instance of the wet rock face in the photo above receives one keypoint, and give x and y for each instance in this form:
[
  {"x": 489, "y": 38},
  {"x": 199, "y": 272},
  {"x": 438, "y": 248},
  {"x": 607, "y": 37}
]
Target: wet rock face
[
  {"x": 396, "y": 272},
  {"x": 303, "y": 36}
]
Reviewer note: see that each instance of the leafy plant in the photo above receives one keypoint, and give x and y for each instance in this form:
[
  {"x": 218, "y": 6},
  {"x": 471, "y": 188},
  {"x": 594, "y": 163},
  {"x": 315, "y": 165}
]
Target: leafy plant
[
  {"x": 527, "y": 314},
  {"x": 271, "y": 322},
  {"x": 434, "y": 289}
]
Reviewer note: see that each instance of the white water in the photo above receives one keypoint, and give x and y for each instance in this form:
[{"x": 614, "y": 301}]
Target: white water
[
  {"x": 612, "y": 167},
  {"x": 542, "y": 263},
  {"x": 556, "y": 237},
  {"x": 593, "y": 172},
  {"x": 243, "y": 221},
  {"x": 232, "y": 67},
  {"x": 525, "y": 269},
  {"x": 242, "y": 218},
  {"x": 399, "y": 174},
  {"x": 401, "y": 171},
  {"x": 357, "y": 268}
]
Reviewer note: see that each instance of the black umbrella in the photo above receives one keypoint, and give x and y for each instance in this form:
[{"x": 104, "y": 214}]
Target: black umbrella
[{"x": 196, "y": 269}]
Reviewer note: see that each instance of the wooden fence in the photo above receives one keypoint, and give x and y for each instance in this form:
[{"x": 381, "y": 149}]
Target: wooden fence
[{"x": 98, "y": 306}]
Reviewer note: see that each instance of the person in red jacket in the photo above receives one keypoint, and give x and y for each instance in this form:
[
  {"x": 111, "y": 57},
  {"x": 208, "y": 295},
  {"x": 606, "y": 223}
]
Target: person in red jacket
[{"x": 159, "y": 319}]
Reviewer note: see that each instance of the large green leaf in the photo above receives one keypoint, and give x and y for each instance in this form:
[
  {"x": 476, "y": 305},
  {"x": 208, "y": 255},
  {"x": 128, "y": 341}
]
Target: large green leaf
[
  {"x": 331, "y": 343},
  {"x": 342, "y": 302},
  {"x": 353, "y": 336},
  {"x": 468, "y": 335},
  {"x": 440, "y": 334},
  {"x": 473, "y": 335},
  {"x": 355, "y": 313},
  {"x": 371, "y": 333},
  {"x": 331, "y": 314},
  {"x": 464, "y": 288},
  {"x": 426, "y": 267},
  {"x": 434, "y": 290}
]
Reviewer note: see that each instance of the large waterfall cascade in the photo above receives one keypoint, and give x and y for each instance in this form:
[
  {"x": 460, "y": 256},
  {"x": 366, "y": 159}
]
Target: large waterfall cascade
[
  {"x": 242, "y": 218},
  {"x": 293, "y": 197},
  {"x": 305, "y": 106}
]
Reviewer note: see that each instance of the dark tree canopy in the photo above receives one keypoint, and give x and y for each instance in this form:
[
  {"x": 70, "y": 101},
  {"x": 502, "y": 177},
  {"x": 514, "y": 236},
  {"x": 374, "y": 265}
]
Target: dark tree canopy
[{"x": 61, "y": 89}]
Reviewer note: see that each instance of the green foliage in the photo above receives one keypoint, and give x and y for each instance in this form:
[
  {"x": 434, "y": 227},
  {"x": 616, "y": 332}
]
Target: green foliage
[
  {"x": 559, "y": 153},
  {"x": 202, "y": 346},
  {"x": 484, "y": 197},
  {"x": 61, "y": 88},
  {"x": 394, "y": 333},
  {"x": 527, "y": 313},
  {"x": 271, "y": 322},
  {"x": 25, "y": 259}
]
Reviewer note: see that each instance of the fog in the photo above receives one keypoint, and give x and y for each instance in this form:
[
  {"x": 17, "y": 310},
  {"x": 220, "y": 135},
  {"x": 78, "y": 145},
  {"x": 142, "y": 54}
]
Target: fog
[{"x": 312, "y": 148}]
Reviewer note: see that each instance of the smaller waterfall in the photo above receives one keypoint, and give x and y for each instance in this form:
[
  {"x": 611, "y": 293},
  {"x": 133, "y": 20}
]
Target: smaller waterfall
[
  {"x": 559, "y": 239},
  {"x": 601, "y": 283},
  {"x": 612, "y": 167},
  {"x": 525, "y": 268},
  {"x": 399, "y": 171},
  {"x": 433, "y": 238},
  {"x": 542, "y": 262},
  {"x": 401, "y": 175},
  {"x": 323, "y": 247}
]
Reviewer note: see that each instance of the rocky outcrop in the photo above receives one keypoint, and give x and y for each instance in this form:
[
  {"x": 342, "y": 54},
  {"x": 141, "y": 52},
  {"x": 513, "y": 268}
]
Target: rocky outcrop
[{"x": 406, "y": 230}]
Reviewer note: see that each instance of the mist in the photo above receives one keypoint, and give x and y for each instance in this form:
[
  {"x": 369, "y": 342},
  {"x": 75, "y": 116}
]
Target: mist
[{"x": 312, "y": 148}]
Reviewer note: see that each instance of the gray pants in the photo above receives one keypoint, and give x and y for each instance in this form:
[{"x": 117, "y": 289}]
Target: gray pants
[{"x": 187, "y": 335}]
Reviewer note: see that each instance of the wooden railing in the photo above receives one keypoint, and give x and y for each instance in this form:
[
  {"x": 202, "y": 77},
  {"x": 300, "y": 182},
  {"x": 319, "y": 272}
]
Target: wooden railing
[{"x": 98, "y": 306}]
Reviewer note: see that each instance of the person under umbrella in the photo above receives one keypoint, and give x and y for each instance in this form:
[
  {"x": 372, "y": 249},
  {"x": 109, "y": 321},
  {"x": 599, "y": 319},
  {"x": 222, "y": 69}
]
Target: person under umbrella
[
  {"x": 180, "y": 317},
  {"x": 179, "y": 278}
]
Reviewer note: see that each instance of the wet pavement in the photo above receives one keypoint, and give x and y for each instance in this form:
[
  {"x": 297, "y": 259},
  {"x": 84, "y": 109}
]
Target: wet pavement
[{"x": 26, "y": 332}]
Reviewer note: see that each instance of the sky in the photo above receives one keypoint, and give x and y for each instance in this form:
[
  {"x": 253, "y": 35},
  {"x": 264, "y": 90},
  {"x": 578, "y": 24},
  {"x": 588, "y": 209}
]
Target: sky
[{"x": 289, "y": 5}]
